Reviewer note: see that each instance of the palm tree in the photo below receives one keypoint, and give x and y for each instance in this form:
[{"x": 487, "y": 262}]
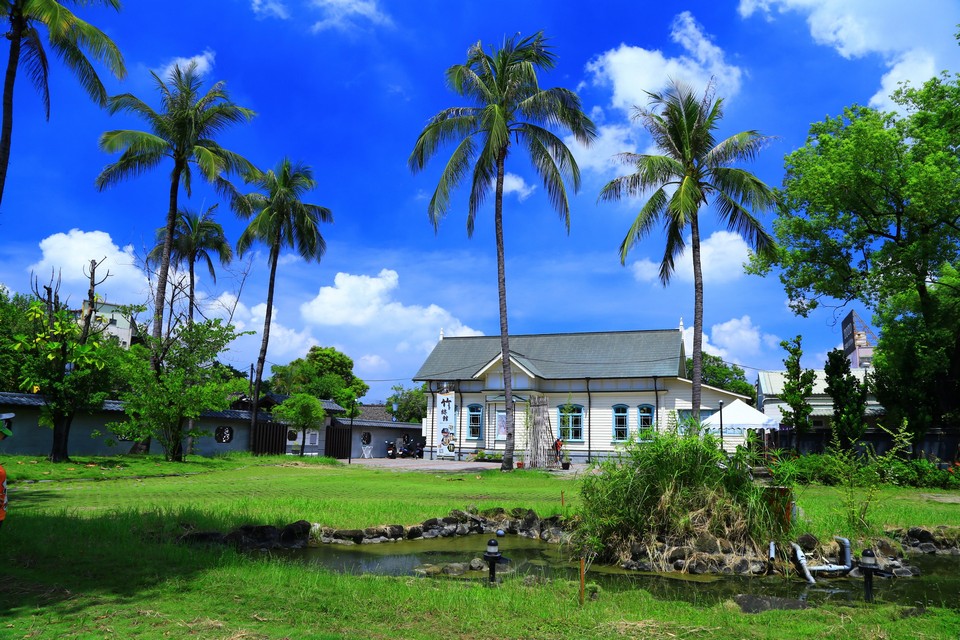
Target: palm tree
[
  {"x": 508, "y": 107},
  {"x": 692, "y": 169},
  {"x": 196, "y": 238},
  {"x": 70, "y": 38},
  {"x": 182, "y": 131},
  {"x": 280, "y": 218}
]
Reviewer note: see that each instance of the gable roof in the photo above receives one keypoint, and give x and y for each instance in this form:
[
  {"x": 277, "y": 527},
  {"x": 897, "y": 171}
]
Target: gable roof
[
  {"x": 563, "y": 356},
  {"x": 771, "y": 382}
]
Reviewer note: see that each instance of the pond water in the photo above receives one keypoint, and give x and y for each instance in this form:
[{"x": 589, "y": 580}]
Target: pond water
[{"x": 938, "y": 585}]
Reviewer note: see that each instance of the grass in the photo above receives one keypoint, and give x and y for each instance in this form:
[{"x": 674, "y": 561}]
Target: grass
[{"x": 92, "y": 559}]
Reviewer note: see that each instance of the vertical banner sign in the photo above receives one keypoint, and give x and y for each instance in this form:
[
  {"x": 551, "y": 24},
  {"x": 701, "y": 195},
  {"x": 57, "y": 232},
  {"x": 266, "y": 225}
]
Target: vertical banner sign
[{"x": 446, "y": 425}]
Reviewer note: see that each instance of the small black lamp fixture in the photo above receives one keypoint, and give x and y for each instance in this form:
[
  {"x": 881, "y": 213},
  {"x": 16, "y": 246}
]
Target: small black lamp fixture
[
  {"x": 868, "y": 566},
  {"x": 493, "y": 558}
]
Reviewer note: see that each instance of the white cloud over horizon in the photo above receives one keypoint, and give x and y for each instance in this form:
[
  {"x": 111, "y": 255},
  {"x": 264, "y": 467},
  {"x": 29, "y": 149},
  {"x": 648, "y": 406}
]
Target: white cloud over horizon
[{"x": 722, "y": 255}]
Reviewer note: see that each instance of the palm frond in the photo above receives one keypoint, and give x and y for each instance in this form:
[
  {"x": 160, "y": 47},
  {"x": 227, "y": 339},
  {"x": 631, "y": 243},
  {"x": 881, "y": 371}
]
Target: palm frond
[{"x": 646, "y": 219}]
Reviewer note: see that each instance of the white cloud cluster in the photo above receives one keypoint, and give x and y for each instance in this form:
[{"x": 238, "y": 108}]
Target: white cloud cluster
[
  {"x": 349, "y": 15},
  {"x": 632, "y": 71},
  {"x": 736, "y": 340},
  {"x": 68, "y": 256},
  {"x": 722, "y": 256},
  {"x": 204, "y": 62},
  {"x": 914, "y": 42},
  {"x": 512, "y": 183},
  {"x": 270, "y": 9}
]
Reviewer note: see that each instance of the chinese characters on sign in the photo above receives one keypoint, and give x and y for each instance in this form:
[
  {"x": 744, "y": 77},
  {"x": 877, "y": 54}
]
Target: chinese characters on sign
[{"x": 446, "y": 425}]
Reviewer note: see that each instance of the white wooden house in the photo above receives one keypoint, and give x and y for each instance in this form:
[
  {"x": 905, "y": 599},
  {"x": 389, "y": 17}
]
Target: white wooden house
[{"x": 601, "y": 389}]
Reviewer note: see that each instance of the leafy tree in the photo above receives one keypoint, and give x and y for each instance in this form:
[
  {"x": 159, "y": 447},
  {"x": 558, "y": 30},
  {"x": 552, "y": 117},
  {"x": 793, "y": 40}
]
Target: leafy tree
[
  {"x": 722, "y": 375},
  {"x": 797, "y": 387},
  {"x": 65, "y": 361},
  {"x": 72, "y": 39},
  {"x": 280, "y": 218},
  {"x": 183, "y": 130},
  {"x": 411, "y": 403},
  {"x": 915, "y": 363},
  {"x": 692, "y": 169},
  {"x": 508, "y": 107},
  {"x": 303, "y": 412},
  {"x": 197, "y": 238},
  {"x": 323, "y": 373},
  {"x": 160, "y": 405},
  {"x": 14, "y": 321},
  {"x": 849, "y": 399}
]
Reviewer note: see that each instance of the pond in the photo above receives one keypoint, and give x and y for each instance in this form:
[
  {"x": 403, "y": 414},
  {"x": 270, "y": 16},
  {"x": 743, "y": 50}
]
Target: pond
[{"x": 938, "y": 584}]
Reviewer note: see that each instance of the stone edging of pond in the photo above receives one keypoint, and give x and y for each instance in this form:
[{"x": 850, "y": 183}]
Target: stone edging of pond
[{"x": 700, "y": 555}]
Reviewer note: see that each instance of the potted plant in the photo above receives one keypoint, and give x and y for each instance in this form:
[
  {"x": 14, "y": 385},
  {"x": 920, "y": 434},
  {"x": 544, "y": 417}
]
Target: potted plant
[
  {"x": 566, "y": 460},
  {"x": 520, "y": 461}
]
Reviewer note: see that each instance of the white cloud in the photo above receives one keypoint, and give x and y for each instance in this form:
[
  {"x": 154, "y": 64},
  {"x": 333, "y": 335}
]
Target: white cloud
[
  {"x": 204, "y": 62},
  {"x": 914, "y": 42},
  {"x": 68, "y": 256},
  {"x": 349, "y": 15},
  {"x": 285, "y": 343},
  {"x": 269, "y": 9},
  {"x": 736, "y": 340},
  {"x": 513, "y": 183},
  {"x": 632, "y": 71},
  {"x": 600, "y": 156},
  {"x": 722, "y": 256},
  {"x": 367, "y": 301}
]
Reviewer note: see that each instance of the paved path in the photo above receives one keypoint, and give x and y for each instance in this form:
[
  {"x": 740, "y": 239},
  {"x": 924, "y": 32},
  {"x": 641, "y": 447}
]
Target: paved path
[{"x": 452, "y": 466}]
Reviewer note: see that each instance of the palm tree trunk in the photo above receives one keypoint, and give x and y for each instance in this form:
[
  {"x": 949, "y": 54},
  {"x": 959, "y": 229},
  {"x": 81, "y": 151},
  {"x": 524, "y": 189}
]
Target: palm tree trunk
[
  {"x": 697, "y": 319},
  {"x": 161, "y": 296},
  {"x": 192, "y": 287},
  {"x": 17, "y": 25},
  {"x": 507, "y": 464},
  {"x": 268, "y": 315}
]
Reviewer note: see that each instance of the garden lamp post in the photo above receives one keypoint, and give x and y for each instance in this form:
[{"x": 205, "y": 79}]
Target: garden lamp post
[
  {"x": 353, "y": 411},
  {"x": 868, "y": 565},
  {"x": 721, "y": 425},
  {"x": 493, "y": 558}
]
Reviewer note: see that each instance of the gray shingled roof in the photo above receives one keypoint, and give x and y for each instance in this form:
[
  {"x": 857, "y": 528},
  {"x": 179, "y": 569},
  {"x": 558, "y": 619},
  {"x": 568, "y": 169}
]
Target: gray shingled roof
[{"x": 614, "y": 354}]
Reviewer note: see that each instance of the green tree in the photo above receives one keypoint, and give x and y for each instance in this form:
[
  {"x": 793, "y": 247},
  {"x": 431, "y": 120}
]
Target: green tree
[
  {"x": 411, "y": 404},
  {"x": 184, "y": 131},
  {"x": 722, "y": 375},
  {"x": 280, "y": 219},
  {"x": 72, "y": 39},
  {"x": 65, "y": 361},
  {"x": 797, "y": 387},
  {"x": 303, "y": 412},
  {"x": 508, "y": 106},
  {"x": 849, "y": 399},
  {"x": 13, "y": 321},
  {"x": 161, "y": 405},
  {"x": 693, "y": 168},
  {"x": 197, "y": 238},
  {"x": 323, "y": 373}
]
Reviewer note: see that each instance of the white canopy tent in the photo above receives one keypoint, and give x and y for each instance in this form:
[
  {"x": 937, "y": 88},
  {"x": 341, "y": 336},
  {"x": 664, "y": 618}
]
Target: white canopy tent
[{"x": 736, "y": 419}]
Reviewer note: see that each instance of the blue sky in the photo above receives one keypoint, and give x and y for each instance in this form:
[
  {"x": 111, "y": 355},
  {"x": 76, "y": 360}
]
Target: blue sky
[{"x": 345, "y": 86}]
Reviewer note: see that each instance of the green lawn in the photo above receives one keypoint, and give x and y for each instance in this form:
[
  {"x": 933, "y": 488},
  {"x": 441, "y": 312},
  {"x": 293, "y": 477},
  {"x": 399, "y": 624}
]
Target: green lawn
[{"x": 87, "y": 558}]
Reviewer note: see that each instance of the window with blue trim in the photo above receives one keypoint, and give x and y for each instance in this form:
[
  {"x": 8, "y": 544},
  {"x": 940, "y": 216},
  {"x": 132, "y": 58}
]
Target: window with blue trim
[
  {"x": 571, "y": 422},
  {"x": 474, "y": 422},
  {"x": 645, "y": 422},
  {"x": 620, "y": 428}
]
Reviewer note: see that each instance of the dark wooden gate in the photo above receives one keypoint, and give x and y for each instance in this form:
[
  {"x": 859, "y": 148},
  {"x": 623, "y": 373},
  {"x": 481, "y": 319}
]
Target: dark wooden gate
[
  {"x": 269, "y": 438},
  {"x": 338, "y": 441}
]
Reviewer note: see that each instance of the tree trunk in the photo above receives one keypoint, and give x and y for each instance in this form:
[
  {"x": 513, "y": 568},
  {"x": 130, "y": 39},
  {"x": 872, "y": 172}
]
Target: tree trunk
[
  {"x": 61, "y": 437},
  {"x": 268, "y": 315},
  {"x": 697, "y": 319},
  {"x": 17, "y": 25},
  {"x": 161, "y": 296},
  {"x": 303, "y": 441},
  {"x": 507, "y": 464}
]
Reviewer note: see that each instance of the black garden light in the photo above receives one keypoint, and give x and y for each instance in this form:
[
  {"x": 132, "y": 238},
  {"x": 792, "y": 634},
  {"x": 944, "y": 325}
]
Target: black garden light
[
  {"x": 493, "y": 558},
  {"x": 868, "y": 566}
]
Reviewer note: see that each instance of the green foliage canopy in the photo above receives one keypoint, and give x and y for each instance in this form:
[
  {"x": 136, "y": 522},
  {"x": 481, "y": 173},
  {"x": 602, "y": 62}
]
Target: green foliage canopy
[{"x": 797, "y": 387}]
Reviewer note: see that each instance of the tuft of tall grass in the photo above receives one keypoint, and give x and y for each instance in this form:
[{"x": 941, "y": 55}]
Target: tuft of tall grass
[{"x": 674, "y": 487}]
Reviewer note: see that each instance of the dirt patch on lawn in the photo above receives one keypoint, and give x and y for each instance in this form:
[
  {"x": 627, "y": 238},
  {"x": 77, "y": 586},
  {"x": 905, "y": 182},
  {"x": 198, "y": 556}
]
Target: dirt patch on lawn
[{"x": 953, "y": 498}]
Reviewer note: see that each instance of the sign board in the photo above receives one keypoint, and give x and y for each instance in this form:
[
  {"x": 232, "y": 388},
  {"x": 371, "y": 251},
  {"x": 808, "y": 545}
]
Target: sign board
[
  {"x": 446, "y": 425},
  {"x": 849, "y": 330}
]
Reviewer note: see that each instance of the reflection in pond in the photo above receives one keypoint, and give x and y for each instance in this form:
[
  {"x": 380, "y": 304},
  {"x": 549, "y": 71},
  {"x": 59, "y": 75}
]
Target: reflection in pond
[{"x": 938, "y": 585}]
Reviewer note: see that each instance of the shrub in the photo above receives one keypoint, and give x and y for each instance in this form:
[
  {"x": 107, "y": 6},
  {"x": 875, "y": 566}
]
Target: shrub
[{"x": 675, "y": 486}]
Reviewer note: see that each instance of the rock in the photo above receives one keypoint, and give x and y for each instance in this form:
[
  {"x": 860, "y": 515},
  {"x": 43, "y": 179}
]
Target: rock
[
  {"x": 477, "y": 564},
  {"x": 920, "y": 534},
  {"x": 725, "y": 546},
  {"x": 254, "y": 537},
  {"x": 202, "y": 537},
  {"x": 808, "y": 542},
  {"x": 902, "y": 572},
  {"x": 455, "y": 569},
  {"x": 295, "y": 535},
  {"x": 886, "y": 548},
  {"x": 758, "y": 604},
  {"x": 428, "y": 569},
  {"x": 678, "y": 553},
  {"x": 706, "y": 543},
  {"x": 927, "y": 547},
  {"x": 414, "y": 532},
  {"x": 349, "y": 534}
]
